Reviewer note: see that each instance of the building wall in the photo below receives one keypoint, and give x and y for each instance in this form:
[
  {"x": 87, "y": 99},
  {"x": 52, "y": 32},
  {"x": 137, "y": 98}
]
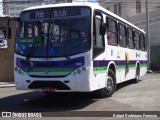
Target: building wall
[
  {"x": 128, "y": 7},
  {"x": 14, "y": 7},
  {"x": 6, "y": 54}
]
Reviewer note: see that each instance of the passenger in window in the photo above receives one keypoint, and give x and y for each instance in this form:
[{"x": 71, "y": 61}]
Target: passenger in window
[
  {"x": 29, "y": 30},
  {"x": 109, "y": 37},
  {"x": 36, "y": 30}
]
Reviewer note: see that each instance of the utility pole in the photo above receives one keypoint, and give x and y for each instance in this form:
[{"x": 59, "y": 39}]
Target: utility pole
[{"x": 148, "y": 34}]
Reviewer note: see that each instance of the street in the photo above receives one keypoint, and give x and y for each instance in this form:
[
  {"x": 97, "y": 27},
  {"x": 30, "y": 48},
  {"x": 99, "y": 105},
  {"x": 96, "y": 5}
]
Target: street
[{"x": 129, "y": 96}]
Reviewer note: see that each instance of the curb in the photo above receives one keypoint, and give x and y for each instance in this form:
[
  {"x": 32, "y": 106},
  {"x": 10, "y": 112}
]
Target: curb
[{"x": 6, "y": 84}]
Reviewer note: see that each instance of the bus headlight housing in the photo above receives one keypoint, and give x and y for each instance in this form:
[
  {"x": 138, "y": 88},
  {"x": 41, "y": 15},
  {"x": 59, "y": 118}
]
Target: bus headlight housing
[
  {"x": 84, "y": 68},
  {"x": 79, "y": 71},
  {"x": 19, "y": 71}
]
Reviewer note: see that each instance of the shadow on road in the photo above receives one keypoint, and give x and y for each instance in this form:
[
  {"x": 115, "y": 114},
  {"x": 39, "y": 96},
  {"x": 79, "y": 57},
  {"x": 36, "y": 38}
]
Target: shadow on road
[
  {"x": 39, "y": 102},
  {"x": 125, "y": 84}
]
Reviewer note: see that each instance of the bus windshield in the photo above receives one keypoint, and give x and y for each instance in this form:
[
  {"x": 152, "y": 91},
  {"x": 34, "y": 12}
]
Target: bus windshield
[{"x": 55, "y": 32}]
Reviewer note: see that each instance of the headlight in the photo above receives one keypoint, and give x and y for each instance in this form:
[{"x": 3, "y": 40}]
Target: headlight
[
  {"x": 84, "y": 68},
  {"x": 79, "y": 71}
]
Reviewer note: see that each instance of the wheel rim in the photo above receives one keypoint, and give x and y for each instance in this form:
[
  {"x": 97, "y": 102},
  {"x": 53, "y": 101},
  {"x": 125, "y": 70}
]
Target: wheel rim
[{"x": 109, "y": 84}]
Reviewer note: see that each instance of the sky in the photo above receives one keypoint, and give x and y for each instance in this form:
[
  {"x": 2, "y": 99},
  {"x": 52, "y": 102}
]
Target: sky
[{"x": 1, "y": 7}]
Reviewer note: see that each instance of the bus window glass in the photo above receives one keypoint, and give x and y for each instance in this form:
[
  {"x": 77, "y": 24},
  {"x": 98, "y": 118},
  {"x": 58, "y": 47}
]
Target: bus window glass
[
  {"x": 99, "y": 38},
  {"x": 130, "y": 39},
  {"x": 122, "y": 36},
  {"x": 53, "y": 32},
  {"x": 22, "y": 34},
  {"x": 29, "y": 28},
  {"x": 142, "y": 42},
  {"x": 111, "y": 32},
  {"x": 136, "y": 40}
]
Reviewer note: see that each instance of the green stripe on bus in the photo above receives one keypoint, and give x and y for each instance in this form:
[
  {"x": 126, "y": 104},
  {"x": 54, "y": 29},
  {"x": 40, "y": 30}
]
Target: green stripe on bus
[
  {"x": 51, "y": 69},
  {"x": 100, "y": 68},
  {"x": 119, "y": 67}
]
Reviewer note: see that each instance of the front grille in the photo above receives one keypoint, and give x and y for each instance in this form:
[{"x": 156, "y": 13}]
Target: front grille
[{"x": 53, "y": 84}]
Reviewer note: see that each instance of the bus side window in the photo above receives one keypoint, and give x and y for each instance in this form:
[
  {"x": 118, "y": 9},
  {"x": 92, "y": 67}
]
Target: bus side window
[
  {"x": 22, "y": 32},
  {"x": 98, "y": 40},
  {"x": 122, "y": 36},
  {"x": 112, "y": 32},
  {"x": 98, "y": 37},
  {"x": 142, "y": 42},
  {"x": 136, "y": 40},
  {"x": 130, "y": 38}
]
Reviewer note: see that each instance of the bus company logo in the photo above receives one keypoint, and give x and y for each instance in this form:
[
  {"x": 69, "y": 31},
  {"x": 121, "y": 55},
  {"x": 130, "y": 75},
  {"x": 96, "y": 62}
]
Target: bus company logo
[
  {"x": 46, "y": 71},
  {"x": 137, "y": 55},
  {"x": 119, "y": 54},
  {"x": 111, "y": 52}
]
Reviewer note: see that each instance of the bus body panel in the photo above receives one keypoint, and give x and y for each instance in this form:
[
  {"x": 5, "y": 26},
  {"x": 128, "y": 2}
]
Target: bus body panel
[
  {"x": 90, "y": 75},
  {"x": 79, "y": 79}
]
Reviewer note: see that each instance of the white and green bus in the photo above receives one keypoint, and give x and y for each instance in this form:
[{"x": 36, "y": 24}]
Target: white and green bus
[{"x": 77, "y": 47}]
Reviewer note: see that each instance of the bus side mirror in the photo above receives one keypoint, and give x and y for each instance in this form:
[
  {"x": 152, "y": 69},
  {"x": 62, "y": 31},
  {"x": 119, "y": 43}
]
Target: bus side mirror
[
  {"x": 103, "y": 28},
  {"x": 9, "y": 33}
]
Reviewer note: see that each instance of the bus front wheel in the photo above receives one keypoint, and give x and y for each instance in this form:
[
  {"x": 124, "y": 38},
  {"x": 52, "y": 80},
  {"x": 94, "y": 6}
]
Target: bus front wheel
[{"x": 110, "y": 86}]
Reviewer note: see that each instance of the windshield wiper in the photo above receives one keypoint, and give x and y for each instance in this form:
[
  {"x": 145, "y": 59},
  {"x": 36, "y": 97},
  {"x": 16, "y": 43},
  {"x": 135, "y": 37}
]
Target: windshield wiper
[
  {"x": 67, "y": 57},
  {"x": 29, "y": 53}
]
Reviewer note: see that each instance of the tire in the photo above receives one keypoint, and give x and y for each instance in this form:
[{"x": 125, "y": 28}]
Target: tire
[
  {"x": 110, "y": 86},
  {"x": 49, "y": 93},
  {"x": 136, "y": 80}
]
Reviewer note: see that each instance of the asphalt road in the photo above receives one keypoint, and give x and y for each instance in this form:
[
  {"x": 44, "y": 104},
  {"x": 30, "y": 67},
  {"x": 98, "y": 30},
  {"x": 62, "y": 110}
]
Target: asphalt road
[{"x": 142, "y": 96}]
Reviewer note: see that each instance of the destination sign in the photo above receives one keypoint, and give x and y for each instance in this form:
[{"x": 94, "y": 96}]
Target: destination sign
[
  {"x": 39, "y": 14},
  {"x": 65, "y": 12},
  {"x": 55, "y": 13}
]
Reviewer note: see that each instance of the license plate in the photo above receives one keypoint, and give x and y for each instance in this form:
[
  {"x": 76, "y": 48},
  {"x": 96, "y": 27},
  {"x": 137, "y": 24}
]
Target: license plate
[{"x": 48, "y": 89}]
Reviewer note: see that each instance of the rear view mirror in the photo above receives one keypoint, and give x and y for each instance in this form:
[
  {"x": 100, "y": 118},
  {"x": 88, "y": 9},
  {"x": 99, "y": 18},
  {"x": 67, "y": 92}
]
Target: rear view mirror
[{"x": 103, "y": 28}]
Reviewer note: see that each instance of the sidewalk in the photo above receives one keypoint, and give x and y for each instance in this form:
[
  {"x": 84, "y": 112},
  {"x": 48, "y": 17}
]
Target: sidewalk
[{"x": 7, "y": 84}]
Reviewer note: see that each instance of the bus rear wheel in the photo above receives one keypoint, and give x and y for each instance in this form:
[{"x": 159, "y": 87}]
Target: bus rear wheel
[
  {"x": 137, "y": 76},
  {"x": 110, "y": 86}
]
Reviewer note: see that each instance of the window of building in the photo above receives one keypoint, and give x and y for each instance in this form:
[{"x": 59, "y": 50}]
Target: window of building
[
  {"x": 122, "y": 36},
  {"x": 138, "y": 6},
  {"x": 130, "y": 38},
  {"x": 115, "y": 8},
  {"x": 118, "y": 9},
  {"x": 112, "y": 32}
]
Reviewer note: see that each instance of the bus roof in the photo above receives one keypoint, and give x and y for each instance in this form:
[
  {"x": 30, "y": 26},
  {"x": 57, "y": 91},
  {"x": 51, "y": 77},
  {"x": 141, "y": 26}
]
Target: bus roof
[{"x": 87, "y": 4}]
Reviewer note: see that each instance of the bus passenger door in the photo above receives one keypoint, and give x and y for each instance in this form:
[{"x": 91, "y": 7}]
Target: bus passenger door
[{"x": 99, "y": 53}]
